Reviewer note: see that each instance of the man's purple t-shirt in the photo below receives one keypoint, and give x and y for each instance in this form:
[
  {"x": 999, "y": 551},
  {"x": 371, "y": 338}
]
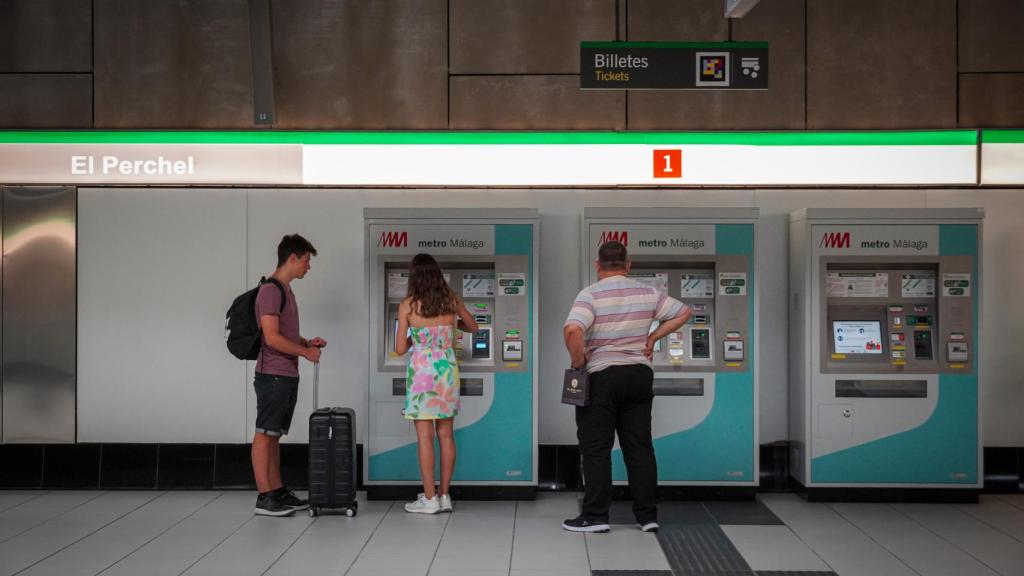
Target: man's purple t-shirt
[{"x": 268, "y": 303}]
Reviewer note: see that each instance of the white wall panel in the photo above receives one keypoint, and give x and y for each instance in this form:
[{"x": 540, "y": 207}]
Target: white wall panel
[
  {"x": 1002, "y": 315},
  {"x": 157, "y": 270},
  {"x": 177, "y": 383}
]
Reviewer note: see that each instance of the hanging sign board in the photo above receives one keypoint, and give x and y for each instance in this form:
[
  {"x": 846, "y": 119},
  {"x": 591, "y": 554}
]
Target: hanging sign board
[{"x": 674, "y": 65}]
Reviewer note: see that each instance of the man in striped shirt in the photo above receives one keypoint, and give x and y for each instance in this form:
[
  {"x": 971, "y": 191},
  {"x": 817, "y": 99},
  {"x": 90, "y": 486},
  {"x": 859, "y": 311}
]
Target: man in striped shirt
[{"x": 609, "y": 331}]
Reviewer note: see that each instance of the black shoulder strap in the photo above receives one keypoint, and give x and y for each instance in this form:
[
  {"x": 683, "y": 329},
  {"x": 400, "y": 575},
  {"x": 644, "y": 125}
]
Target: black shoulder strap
[{"x": 277, "y": 283}]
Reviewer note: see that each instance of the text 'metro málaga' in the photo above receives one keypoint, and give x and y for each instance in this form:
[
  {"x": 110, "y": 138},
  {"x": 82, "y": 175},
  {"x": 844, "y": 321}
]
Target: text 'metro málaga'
[{"x": 674, "y": 65}]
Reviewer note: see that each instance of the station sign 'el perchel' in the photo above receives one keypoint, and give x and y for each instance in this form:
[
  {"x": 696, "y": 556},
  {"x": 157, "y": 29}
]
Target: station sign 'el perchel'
[{"x": 674, "y": 65}]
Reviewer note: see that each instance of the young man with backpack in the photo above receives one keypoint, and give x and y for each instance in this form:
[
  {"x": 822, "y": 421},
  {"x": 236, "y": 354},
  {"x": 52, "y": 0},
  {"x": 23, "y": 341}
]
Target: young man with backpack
[{"x": 277, "y": 373}]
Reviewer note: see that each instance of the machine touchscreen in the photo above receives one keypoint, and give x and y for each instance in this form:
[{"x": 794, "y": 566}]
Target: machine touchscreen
[{"x": 857, "y": 336}]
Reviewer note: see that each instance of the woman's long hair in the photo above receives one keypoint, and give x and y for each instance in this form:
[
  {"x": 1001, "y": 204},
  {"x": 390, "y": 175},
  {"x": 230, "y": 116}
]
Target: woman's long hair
[{"x": 431, "y": 296}]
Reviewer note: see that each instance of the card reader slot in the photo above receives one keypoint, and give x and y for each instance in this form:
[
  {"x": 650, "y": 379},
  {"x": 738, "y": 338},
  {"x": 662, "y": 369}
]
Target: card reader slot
[
  {"x": 678, "y": 386},
  {"x": 471, "y": 386},
  {"x": 881, "y": 388}
]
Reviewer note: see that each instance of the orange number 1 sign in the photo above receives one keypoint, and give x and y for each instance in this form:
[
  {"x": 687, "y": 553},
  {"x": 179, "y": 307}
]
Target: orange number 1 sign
[{"x": 668, "y": 163}]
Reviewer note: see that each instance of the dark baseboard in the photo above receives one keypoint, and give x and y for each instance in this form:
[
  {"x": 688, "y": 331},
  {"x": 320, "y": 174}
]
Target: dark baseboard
[
  {"x": 924, "y": 495},
  {"x": 406, "y": 492},
  {"x": 227, "y": 466}
]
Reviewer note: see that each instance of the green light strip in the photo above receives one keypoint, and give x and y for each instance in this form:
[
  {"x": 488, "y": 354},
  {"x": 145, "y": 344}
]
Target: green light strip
[
  {"x": 1002, "y": 137},
  {"x": 918, "y": 138}
]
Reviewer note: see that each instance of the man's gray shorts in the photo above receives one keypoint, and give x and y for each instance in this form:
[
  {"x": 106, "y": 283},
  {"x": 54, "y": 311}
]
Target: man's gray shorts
[{"x": 275, "y": 403}]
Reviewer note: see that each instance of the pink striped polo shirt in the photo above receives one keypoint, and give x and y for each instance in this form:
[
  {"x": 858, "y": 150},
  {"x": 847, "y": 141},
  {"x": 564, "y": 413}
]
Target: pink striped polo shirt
[{"x": 616, "y": 314}]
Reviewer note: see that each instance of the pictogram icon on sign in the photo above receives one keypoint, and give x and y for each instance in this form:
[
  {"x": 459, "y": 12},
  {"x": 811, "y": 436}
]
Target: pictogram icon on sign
[{"x": 668, "y": 163}]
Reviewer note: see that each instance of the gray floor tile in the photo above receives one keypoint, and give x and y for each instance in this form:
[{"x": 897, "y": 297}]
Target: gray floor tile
[
  {"x": 560, "y": 505},
  {"x": 1015, "y": 500},
  {"x": 11, "y": 498},
  {"x": 36, "y": 544},
  {"x": 839, "y": 543},
  {"x": 446, "y": 564},
  {"x": 107, "y": 546},
  {"x": 18, "y": 519},
  {"x": 549, "y": 572},
  {"x": 753, "y": 513},
  {"x": 912, "y": 543},
  {"x": 998, "y": 514},
  {"x": 990, "y": 546},
  {"x": 331, "y": 544},
  {"x": 631, "y": 573},
  {"x": 773, "y": 548},
  {"x": 176, "y": 550},
  {"x": 625, "y": 549}
]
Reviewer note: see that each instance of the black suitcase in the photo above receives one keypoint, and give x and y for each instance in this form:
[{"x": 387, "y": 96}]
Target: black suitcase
[{"x": 332, "y": 459}]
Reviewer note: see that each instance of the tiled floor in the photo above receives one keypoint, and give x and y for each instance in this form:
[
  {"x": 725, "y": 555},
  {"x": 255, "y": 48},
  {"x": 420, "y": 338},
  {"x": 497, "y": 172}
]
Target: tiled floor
[{"x": 213, "y": 533}]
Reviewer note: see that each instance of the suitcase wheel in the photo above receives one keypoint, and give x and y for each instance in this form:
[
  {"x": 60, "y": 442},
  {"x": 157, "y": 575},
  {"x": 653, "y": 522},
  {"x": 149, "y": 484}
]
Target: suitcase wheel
[
  {"x": 350, "y": 512},
  {"x": 314, "y": 512}
]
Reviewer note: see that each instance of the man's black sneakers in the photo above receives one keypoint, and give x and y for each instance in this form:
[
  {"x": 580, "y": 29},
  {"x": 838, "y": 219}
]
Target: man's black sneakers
[
  {"x": 288, "y": 498},
  {"x": 648, "y": 526},
  {"x": 270, "y": 504},
  {"x": 581, "y": 524}
]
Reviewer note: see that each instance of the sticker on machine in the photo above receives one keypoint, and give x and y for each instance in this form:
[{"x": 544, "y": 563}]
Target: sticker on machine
[
  {"x": 699, "y": 285},
  {"x": 956, "y": 285},
  {"x": 917, "y": 285},
  {"x": 511, "y": 284},
  {"x": 857, "y": 284},
  {"x": 732, "y": 283},
  {"x": 478, "y": 285},
  {"x": 398, "y": 284},
  {"x": 656, "y": 280}
]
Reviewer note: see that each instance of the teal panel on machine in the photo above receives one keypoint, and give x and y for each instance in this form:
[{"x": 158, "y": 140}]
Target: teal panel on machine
[
  {"x": 494, "y": 447},
  {"x": 721, "y": 447},
  {"x": 942, "y": 450},
  {"x": 945, "y": 447}
]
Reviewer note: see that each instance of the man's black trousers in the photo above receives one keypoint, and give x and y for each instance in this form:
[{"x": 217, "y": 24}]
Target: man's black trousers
[{"x": 620, "y": 401}]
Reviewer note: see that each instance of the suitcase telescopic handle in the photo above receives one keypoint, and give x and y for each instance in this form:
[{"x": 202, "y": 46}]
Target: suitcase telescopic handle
[{"x": 316, "y": 386}]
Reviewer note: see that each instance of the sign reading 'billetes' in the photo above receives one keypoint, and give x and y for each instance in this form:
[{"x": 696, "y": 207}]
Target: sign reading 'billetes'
[{"x": 674, "y": 65}]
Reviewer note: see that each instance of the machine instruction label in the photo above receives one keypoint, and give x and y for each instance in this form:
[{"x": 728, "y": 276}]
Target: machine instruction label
[
  {"x": 697, "y": 285},
  {"x": 917, "y": 285},
  {"x": 956, "y": 285},
  {"x": 511, "y": 283},
  {"x": 477, "y": 286},
  {"x": 656, "y": 280},
  {"x": 857, "y": 284},
  {"x": 732, "y": 283}
]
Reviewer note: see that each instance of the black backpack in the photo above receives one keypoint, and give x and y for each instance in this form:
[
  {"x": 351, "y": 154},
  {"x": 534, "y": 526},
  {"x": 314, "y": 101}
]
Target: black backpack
[{"x": 242, "y": 328}]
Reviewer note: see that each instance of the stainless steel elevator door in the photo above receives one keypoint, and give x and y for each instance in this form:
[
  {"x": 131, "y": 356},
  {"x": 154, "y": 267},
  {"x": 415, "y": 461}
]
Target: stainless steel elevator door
[{"x": 39, "y": 314}]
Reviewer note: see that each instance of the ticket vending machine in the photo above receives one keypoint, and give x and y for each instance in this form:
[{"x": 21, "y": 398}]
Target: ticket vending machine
[
  {"x": 489, "y": 259},
  {"x": 884, "y": 343},
  {"x": 704, "y": 422}
]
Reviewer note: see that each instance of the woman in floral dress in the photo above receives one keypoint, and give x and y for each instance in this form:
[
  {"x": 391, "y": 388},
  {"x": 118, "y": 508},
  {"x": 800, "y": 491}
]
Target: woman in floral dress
[{"x": 430, "y": 315}]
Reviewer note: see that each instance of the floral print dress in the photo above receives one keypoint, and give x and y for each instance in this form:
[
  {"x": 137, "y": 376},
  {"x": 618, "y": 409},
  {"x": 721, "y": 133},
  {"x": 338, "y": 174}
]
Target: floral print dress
[{"x": 432, "y": 379}]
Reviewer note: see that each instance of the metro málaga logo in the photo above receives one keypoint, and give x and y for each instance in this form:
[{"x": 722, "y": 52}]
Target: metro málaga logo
[
  {"x": 620, "y": 237},
  {"x": 835, "y": 240},
  {"x": 393, "y": 240}
]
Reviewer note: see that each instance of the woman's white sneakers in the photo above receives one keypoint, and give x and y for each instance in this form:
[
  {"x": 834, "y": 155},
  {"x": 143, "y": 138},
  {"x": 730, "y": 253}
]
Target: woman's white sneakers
[{"x": 424, "y": 505}]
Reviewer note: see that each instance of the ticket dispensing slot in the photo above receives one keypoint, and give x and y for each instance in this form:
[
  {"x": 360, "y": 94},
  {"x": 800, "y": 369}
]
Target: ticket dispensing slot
[
  {"x": 471, "y": 386},
  {"x": 678, "y": 386}
]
